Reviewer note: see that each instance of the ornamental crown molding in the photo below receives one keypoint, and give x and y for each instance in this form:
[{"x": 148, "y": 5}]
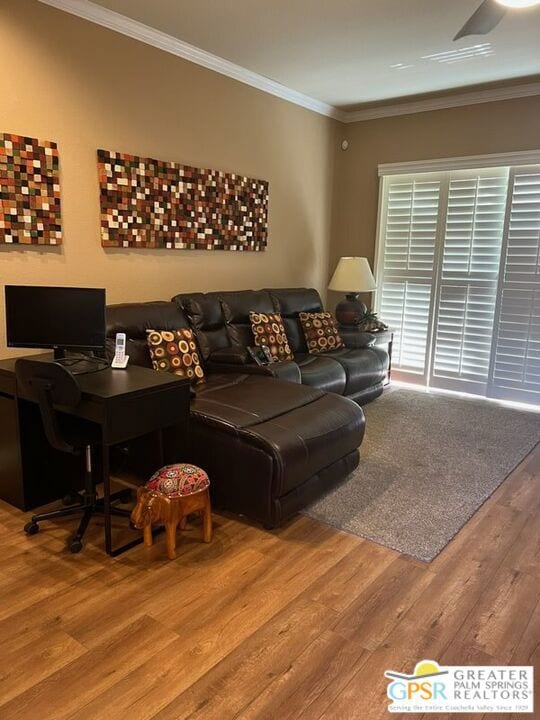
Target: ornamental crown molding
[
  {"x": 473, "y": 97},
  {"x": 117, "y": 22}
]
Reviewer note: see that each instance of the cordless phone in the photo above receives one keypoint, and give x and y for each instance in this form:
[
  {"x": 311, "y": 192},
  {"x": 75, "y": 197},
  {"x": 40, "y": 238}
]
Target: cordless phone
[{"x": 120, "y": 359}]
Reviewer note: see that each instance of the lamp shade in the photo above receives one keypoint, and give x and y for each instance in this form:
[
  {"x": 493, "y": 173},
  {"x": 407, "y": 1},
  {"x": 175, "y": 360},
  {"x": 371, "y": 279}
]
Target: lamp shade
[{"x": 353, "y": 275}]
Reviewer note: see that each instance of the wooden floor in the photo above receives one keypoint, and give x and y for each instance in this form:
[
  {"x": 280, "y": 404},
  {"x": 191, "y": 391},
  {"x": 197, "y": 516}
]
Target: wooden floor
[{"x": 300, "y": 623}]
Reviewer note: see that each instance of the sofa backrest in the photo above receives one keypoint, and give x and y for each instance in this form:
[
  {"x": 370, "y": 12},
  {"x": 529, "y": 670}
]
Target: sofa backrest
[
  {"x": 236, "y": 308},
  {"x": 290, "y": 302},
  {"x": 205, "y": 315},
  {"x": 135, "y": 319},
  {"x": 221, "y": 319}
]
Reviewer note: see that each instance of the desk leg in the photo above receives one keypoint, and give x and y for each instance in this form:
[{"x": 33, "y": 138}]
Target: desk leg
[
  {"x": 390, "y": 347},
  {"x": 106, "y": 477},
  {"x": 107, "y": 512}
]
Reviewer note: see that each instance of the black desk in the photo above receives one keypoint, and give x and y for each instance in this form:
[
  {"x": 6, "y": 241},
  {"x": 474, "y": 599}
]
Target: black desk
[{"x": 126, "y": 404}]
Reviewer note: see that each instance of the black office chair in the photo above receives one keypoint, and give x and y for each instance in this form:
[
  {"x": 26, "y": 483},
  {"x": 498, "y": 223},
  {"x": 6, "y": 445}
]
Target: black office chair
[{"x": 51, "y": 385}]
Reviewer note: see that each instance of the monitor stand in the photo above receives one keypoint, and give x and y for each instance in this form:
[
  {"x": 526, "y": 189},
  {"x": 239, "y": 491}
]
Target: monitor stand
[{"x": 79, "y": 364}]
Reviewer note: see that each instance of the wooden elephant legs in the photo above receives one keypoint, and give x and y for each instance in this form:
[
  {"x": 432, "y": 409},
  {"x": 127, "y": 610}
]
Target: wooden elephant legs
[{"x": 176, "y": 516}]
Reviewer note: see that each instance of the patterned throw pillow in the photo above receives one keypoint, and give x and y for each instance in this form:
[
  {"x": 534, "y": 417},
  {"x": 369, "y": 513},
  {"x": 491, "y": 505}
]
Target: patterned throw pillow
[
  {"x": 321, "y": 332},
  {"x": 268, "y": 330},
  {"x": 175, "y": 351}
]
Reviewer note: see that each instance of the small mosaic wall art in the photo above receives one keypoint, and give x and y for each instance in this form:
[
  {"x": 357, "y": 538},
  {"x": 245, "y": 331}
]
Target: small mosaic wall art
[
  {"x": 29, "y": 191},
  {"x": 148, "y": 203}
]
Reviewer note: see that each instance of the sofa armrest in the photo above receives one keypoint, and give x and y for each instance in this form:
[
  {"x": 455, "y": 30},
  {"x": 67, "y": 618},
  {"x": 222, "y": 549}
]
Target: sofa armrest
[
  {"x": 284, "y": 370},
  {"x": 354, "y": 338}
]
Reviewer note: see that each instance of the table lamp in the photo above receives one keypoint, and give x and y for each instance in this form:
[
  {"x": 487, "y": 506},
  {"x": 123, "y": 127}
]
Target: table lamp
[{"x": 352, "y": 276}]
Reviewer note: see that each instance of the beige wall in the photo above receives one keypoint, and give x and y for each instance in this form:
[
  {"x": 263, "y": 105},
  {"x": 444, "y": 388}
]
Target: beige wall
[
  {"x": 85, "y": 87},
  {"x": 473, "y": 130}
]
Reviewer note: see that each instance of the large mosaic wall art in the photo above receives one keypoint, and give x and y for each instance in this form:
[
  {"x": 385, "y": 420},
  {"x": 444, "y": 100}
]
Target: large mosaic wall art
[
  {"x": 148, "y": 203},
  {"x": 29, "y": 191}
]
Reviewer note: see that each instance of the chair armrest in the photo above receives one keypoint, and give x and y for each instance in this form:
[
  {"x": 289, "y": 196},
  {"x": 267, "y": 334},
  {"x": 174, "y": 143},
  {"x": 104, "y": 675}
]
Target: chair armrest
[
  {"x": 354, "y": 338},
  {"x": 233, "y": 355}
]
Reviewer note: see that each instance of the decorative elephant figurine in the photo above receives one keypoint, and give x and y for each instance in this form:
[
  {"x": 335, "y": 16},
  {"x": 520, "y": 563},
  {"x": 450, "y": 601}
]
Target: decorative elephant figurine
[{"x": 158, "y": 508}]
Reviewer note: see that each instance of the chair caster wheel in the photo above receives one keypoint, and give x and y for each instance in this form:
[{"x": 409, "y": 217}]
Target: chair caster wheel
[
  {"x": 72, "y": 498},
  {"x": 75, "y": 545},
  {"x": 31, "y": 528}
]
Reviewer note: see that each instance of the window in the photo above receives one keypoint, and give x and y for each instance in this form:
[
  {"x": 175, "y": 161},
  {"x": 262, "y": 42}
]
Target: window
[
  {"x": 458, "y": 269},
  {"x": 410, "y": 235},
  {"x": 516, "y": 347}
]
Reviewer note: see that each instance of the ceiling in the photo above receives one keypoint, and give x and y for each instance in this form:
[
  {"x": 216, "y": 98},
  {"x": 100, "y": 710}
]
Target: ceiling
[{"x": 350, "y": 52}]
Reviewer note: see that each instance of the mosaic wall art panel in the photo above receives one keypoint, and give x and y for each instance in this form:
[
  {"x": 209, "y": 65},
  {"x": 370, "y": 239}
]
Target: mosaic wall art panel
[
  {"x": 148, "y": 203},
  {"x": 29, "y": 191}
]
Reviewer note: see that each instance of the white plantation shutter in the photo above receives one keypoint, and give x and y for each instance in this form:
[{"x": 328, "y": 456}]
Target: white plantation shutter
[
  {"x": 409, "y": 238},
  {"x": 405, "y": 307},
  {"x": 458, "y": 276},
  {"x": 468, "y": 276},
  {"x": 515, "y": 373}
]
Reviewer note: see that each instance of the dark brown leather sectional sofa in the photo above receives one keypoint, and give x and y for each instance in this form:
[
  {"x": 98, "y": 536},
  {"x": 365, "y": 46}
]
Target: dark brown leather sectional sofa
[{"x": 272, "y": 438}]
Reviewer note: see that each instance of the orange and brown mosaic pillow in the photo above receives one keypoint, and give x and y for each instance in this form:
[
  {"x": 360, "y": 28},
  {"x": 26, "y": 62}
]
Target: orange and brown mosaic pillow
[
  {"x": 175, "y": 351},
  {"x": 320, "y": 332},
  {"x": 268, "y": 330}
]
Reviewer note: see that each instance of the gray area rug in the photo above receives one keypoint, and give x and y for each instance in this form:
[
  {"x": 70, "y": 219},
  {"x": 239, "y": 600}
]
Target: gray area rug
[{"x": 427, "y": 463}]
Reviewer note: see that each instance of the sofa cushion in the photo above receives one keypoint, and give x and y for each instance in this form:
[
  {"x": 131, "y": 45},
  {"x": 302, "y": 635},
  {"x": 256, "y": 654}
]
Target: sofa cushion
[
  {"x": 268, "y": 330},
  {"x": 232, "y": 355},
  {"x": 363, "y": 367},
  {"x": 290, "y": 302},
  {"x": 244, "y": 401},
  {"x": 321, "y": 332},
  {"x": 134, "y": 319},
  {"x": 175, "y": 351},
  {"x": 322, "y": 371},
  {"x": 312, "y": 437}
]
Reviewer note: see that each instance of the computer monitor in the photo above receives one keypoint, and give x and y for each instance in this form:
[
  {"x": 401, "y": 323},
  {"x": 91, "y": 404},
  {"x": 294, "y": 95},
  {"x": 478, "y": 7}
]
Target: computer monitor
[{"x": 62, "y": 318}]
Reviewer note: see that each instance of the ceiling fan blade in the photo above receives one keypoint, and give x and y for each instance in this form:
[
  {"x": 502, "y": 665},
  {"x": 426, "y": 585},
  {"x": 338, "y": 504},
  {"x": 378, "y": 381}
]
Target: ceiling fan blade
[{"x": 484, "y": 20}]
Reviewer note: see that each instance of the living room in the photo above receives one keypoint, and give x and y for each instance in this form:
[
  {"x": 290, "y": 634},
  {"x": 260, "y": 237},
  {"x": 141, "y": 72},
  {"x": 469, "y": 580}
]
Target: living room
[{"x": 350, "y": 476}]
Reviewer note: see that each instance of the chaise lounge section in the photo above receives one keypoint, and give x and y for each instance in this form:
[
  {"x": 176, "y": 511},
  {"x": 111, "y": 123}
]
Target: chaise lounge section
[{"x": 272, "y": 446}]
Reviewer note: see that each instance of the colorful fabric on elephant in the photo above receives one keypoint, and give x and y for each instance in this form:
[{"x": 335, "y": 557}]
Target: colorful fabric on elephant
[{"x": 179, "y": 480}]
